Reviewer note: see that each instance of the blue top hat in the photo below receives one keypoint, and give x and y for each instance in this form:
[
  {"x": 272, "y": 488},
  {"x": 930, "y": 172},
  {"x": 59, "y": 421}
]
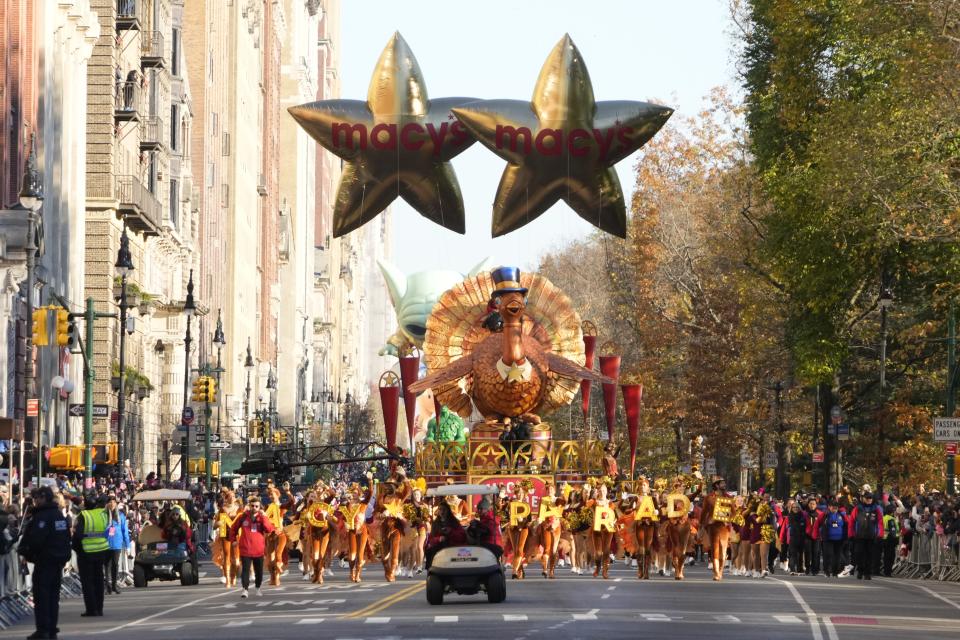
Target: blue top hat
[{"x": 507, "y": 280}]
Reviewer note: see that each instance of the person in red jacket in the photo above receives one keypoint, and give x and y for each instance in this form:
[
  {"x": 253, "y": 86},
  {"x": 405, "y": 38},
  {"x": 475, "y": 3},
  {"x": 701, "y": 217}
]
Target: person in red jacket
[{"x": 253, "y": 526}]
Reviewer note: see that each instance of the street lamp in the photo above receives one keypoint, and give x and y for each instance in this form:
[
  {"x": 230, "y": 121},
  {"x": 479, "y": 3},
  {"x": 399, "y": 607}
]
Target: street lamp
[
  {"x": 124, "y": 267},
  {"x": 31, "y": 199},
  {"x": 189, "y": 310},
  {"x": 885, "y": 301},
  {"x": 272, "y": 406},
  {"x": 219, "y": 341},
  {"x": 249, "y": 365}
]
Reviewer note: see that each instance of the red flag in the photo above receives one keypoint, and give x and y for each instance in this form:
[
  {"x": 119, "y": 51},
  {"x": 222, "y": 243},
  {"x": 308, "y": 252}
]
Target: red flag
[
  {"x": 589, "y": 346},
  {"x": 389, "y": 398},
  {"x": 409, "y": 369},
  {"x": 632, "y": 396},
  {"x": 610, "y": 367}
]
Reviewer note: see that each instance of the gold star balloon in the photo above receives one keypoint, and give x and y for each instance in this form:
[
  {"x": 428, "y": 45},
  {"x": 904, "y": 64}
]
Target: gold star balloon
[
  {"x": 396, "y": 143},
  {"x": 562, "y": 145}
]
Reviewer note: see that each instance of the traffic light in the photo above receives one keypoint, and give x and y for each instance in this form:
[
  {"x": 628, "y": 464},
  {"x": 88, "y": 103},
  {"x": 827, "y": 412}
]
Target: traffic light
[
  {"x": 199, "y": 389},
  {"x": 212, "y": 390},
  {"x": 73, "y": 337},
  {"x": 255, "y": 429},
  {"x": 63, "y": 327},
  {"x": 40, "y": 327}
]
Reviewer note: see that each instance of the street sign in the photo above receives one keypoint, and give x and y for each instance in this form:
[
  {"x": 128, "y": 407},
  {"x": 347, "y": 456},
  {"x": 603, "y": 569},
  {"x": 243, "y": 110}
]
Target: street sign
[
  {"x": 747, "y": 460},
  {"x": 202, "y": 437},
  {"x": 951, "y": 448},
  {"x": 219, "y": 445},
  {"x": 946, "y": 429},
  {"x": 99, "y": 410},
  {"x": 770, "y": 459},
  {"x": 187, "y": 415},
  {"x": 843, "y": 431},
  {"x": 818, "y": 456},
  {"x": 709, "y": 466},
  {"x": 33, "y": 407}
]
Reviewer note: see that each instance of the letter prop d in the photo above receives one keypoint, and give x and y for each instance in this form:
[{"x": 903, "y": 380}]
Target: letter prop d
[
  {"x": 518, "y": 511},
  {"x": 397, "y": 142},
  {"x": 678, "y": 505}
]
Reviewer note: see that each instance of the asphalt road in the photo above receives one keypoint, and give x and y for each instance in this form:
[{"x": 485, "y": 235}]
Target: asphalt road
[{"x": 781, "y": 607}]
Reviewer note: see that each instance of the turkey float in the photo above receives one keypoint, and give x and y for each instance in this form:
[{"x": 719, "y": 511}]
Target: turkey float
[{"x": 517, "y": 371}]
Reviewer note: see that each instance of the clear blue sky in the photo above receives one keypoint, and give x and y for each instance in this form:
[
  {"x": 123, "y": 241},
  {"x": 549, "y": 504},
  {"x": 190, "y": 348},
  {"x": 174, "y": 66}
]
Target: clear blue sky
[{"x": 670, "y": 52}]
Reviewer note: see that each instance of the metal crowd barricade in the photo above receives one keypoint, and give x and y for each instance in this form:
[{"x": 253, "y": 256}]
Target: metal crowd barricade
[{"x": 16, "y": 601}]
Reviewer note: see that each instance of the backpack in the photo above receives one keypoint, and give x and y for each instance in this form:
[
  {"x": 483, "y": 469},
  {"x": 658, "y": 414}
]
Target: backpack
[{"x": 867, "y": 522}]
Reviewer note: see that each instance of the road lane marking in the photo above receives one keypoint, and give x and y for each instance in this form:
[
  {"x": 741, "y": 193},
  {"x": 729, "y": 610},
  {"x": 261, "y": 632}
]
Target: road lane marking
[
  {"x": 590, "y": 615},
  {"x": 310, "y": 621},
  {"x": 617, "y": 579},
  {"x": 166, "y": 612},
  {"x": 811, "y": 615},
  {"x": 831, "y": 630},
  {"x": 446, "y": 618},
  {"x": 938, "y": 596},
  {"x": 610, "y": 588},
  {"x": 657, "y": 617},
  {"x": 788, "y": 619},
  {"x": 727, "y": 618},
  {"x": 171, "y": 627},
  {"x": 385, "y": 602},
  {"x": 514, "y": 617},
  {"x": 377, "y": 620},
  {"x": 239, "y": 623},
  {"x": 605, "y": 596}
]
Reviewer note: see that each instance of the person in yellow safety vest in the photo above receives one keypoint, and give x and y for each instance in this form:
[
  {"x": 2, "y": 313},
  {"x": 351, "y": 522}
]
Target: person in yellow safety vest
[{"x": 90, "y": 543}]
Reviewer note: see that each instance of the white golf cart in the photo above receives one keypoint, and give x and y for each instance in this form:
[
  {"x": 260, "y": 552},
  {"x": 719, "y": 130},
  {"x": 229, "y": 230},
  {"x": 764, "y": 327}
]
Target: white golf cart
[{"x": 469, "y": 568}]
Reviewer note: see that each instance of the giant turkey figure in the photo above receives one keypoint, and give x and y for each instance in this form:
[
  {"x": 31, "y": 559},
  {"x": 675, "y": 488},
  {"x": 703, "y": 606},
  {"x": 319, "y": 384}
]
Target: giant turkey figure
[{"x": 530, "y": 368}]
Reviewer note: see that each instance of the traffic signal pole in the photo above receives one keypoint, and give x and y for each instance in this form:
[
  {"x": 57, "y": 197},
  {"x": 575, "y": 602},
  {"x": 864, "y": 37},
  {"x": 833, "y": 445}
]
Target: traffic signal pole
[
  {"x": 88, "y": 376},
  {"x": 206, "y": 449},
  {"x": 951, "y": 387}
]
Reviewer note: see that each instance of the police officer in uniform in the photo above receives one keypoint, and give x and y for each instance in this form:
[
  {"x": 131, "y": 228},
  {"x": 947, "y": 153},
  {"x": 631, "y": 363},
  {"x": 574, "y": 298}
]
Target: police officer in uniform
[
  {"x": 90, "y": 543},
  {"x": 46, "y": 543}
]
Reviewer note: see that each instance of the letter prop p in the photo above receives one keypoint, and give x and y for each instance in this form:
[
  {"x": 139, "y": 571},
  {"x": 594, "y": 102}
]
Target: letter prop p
[{"x": 518, "y": 511}]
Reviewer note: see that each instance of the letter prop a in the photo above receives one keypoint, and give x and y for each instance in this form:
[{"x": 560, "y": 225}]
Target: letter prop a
[
  {"x": 518, "y": 511},
  {"x": 647, "y": 510},
  {"x": 562, "y": 145},
  {"x": 396, "y": 142}
]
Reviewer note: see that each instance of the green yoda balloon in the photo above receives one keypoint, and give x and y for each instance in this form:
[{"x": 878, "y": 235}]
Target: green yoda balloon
[{"x": 413, "y": 297}]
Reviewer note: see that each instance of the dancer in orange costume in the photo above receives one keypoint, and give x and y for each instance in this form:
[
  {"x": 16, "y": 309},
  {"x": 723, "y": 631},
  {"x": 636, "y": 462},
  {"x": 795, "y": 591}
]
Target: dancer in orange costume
[
  {"x": 679, "y": 528},
  {"x": 390, "y": 509},
  {"x": 646, "y": 530},
  {"x": 718, "y": 530},
  {"x": 602, "y": 539},
  {"x": 276, "y": 540},
  {"x": 226, "y": 545},
  {"x": 354, "y": 521},
  {"x": 317, "y": 517},
  {"x": 520, "y": 531},
  {"x": 549, "y": 529}
]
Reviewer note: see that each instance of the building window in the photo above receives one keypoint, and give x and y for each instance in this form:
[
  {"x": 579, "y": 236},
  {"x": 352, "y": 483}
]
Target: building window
[
  {"x": 174, "y": 129},
  {"x": 175, "y": 52},
  {"x": 174, "y": 203}
]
